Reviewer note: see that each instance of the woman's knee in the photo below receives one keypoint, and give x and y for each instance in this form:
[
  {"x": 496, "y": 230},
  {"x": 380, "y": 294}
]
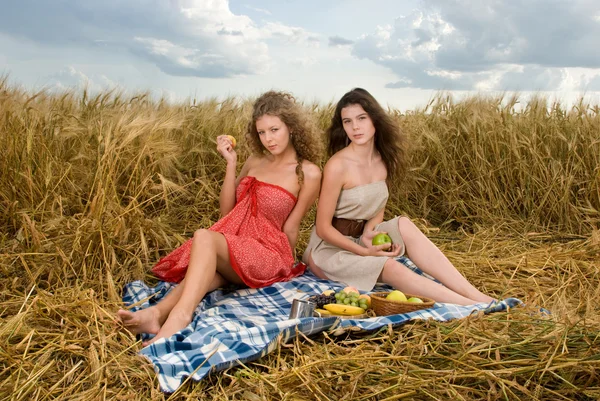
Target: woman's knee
[
  {"x": 406, "y": 227},
  {"x": 391, "y": 269},
  {"x": 202, "y": 236}
]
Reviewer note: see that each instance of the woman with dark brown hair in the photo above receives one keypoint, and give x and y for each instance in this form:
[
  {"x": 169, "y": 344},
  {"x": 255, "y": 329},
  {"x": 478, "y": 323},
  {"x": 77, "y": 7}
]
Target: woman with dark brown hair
[
  {"x": 253, "y": 243},
  {"x": 368, "y": 151}
]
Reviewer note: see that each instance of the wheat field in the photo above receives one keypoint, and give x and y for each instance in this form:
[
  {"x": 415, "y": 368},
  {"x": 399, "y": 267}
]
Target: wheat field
[{"x": 96, "y": 187}]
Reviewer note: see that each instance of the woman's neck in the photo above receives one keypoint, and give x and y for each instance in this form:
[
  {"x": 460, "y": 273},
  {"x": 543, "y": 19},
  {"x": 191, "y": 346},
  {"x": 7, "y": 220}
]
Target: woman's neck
[
  {"x": 364, "y": 153},
  {"x": 285, "y": 157}
]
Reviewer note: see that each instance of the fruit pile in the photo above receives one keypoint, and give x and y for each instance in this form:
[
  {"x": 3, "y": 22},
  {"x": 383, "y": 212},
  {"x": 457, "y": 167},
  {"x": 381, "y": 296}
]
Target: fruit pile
[
  {"x": 347, "y": 302},
  {"x": 325, "y": 298},
  {"x": 397, "y": 295}
]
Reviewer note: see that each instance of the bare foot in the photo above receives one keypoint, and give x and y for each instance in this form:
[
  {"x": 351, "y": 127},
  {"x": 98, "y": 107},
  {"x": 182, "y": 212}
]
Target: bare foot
[
  {"x": 174, "y": 323},
  {"x": 143, "y": 321},
  {"x": 486, "y": 298},
  {"x": 479, "y": 296}
]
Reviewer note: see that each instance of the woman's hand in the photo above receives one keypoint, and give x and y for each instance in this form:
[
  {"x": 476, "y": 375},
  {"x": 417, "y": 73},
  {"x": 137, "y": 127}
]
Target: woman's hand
[
  {"x": 367, "y": 237},
  {"x": 378, "y": 250},
  {"x": 225, "y": 148}
]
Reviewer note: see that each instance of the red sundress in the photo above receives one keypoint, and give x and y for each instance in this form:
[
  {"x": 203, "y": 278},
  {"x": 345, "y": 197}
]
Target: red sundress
[{"x": 259, "y": 251}]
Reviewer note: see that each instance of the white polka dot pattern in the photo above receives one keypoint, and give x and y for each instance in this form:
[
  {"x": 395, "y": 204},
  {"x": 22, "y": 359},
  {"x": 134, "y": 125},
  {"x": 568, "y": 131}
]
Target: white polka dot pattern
[{"x": 259, "y": 251}]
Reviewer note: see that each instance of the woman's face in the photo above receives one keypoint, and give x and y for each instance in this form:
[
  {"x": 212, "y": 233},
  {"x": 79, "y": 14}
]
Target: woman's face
[
  {"x": 357, "y": 124},
  {"x": 273, "y": 134}
]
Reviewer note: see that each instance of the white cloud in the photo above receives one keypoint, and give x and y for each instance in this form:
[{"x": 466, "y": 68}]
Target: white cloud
[
  {"x": 210, "y": 48},
  {"x": 259, "y": 10},
  {"x": 216, "y": 43},
  {"x": 590, "y": 83},
  {"x": 289, "y": 34},
  {"x": 201, "y": 38},
  {"x": 305, "y": 61},
  {"x": 178, "y": 60},
  {"x": 71, "y": 78},
  {"x": 466, "y": 44},
  {"x": 583, "y": 79}
]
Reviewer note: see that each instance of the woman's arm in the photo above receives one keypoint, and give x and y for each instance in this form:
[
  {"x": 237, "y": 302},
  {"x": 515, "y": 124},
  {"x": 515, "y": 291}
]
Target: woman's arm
[
  {"x": 370, "y": 225},
  {"x": 227, "y": 196},
  {"x": 369, "y": 232},
  {"x": 230, "y": 183},
  {"x": 333, "y": 182},
  {"x": 306, "y": 198}
]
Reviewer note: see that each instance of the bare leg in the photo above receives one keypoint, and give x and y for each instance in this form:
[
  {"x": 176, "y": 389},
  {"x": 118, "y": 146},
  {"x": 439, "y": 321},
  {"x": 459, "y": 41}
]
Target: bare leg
[
  {"x": 316, "y": 270},
  {"x": 151, "y": 319},
  {"x": 404, "y": 279},
  {"x": 431, "y": 260},
  {"x": 209, "y": 256}
]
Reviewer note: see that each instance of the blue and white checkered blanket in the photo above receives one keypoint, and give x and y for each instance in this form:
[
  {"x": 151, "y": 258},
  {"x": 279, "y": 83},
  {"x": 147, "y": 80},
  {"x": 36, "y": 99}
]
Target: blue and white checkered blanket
[{"x": 236, "y": 327}]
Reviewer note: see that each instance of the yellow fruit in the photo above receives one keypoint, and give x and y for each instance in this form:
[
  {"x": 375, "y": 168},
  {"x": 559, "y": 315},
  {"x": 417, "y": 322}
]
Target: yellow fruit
[
  {"x": 381, "y": 239},
  {"x": 367, "y": 298},
  {"x": 233, "y": 140},
  {"x": 415, "y": 300},
  {"x": 396, "y": 296},
  {"x": 348, "y": 290},
  {"x": 346, "y": 310},
  {"x": 323, "y": 312},
  {"x": 328, "y": 292}
]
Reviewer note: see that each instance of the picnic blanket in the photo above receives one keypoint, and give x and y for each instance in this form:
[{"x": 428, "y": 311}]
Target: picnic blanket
[{"x": 238, "y": 326}]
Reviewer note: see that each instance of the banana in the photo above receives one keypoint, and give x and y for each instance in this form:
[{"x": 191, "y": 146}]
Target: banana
[
  {"x": 346, "y": 310},
  {"x": 323, "y": 312}
]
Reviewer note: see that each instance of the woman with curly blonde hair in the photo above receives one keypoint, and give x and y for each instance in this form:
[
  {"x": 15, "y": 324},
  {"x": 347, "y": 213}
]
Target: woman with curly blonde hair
[
  {"x": 252, "y": 244},
  {"x": 304, "y": 133}
]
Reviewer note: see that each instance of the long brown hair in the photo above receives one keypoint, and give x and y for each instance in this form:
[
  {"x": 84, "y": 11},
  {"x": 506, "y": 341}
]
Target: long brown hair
[
  {"x": 390, "y": 142},
  {"x": 304, "y": 133}
]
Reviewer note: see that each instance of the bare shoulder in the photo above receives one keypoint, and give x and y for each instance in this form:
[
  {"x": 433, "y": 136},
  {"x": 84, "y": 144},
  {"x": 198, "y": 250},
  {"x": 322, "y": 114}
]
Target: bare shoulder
[
  {"x": 337, "y": 164},
  {"x": 311, "y": 171},
  {"x": 252, "y": 160},
  {"x": 251, "y": 163}
]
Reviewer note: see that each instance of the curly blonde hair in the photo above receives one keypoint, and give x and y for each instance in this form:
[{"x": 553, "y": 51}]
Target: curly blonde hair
[{"x": 304, "y": 133}]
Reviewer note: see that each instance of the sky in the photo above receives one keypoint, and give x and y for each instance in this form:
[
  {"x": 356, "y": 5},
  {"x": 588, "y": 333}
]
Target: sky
[{"x": 402, "y": 51}]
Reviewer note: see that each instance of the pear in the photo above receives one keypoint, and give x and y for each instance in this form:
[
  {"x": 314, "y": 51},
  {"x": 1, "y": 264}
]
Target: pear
[{"x": 396, "y": 295}]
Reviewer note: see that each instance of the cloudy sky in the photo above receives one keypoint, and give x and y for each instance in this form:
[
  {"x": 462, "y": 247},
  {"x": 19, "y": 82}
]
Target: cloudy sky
[{"x": 401, "y": 51}]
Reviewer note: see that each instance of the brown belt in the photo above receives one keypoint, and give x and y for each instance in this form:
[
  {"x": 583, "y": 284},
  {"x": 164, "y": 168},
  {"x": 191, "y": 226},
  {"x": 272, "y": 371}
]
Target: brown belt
[{"x": 351, "y": 228}]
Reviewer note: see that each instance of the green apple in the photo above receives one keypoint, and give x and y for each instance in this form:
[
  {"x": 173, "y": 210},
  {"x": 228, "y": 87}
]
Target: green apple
[
  {"x": 396, "y": 296},
  {"x": 382, "y": 238},
  {"x": 415, "y": 300}
]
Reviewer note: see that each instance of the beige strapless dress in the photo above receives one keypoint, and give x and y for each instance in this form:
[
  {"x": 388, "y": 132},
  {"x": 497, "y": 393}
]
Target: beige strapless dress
[{"x": 358, "y": 203}]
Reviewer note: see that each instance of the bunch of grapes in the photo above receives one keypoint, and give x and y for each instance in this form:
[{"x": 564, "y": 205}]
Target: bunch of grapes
[
  {"x": 351, "y": 298},
  {"x": 322, "y": 299}
]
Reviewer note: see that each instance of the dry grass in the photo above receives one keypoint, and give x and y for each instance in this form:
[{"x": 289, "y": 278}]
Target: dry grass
[{"x": 95, "y": 188}]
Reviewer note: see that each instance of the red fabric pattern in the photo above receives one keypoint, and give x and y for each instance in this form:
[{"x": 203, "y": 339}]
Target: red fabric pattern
[{"x": 259, "y": 251}]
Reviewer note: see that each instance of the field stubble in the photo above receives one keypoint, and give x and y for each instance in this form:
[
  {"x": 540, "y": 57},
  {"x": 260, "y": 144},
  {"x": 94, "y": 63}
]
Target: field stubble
[{"x": 94, "y": 189}]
